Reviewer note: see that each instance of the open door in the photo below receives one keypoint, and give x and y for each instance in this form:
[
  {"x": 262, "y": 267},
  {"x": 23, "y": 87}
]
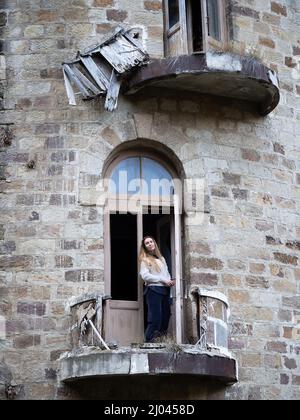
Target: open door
[
  {"x": 125, "y": 311},
  {"x": 124, "y": 321},
  {"x": 178, "y": 271},
  {"x": 161, "y": 227}
]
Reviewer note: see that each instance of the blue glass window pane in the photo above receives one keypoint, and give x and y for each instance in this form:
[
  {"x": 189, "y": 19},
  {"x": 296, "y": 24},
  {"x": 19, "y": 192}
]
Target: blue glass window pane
[
  {"x": 125, "y": 178},
  {"x": 157, "y": 181}
]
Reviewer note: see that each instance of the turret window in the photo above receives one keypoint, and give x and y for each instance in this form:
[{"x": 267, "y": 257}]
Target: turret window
[{"x": 194, "y": 26}]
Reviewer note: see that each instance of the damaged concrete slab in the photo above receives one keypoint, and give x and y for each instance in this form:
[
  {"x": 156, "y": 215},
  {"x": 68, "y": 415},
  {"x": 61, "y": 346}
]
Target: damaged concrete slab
[
  {"x": 220, "y": 74},
  {"x": 186, "y": 360}
]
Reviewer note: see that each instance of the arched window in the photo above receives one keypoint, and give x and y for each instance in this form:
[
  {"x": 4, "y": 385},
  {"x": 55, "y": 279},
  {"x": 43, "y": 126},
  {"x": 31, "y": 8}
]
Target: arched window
[
  {"x": 141, "y": 175},
  {"x": 143, "y": 190}
]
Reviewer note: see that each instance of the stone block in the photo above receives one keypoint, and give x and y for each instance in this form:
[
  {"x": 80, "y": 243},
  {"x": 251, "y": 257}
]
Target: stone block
[
  {"x": 153, "y": 5},
  {"x": 50, "y": 374},
  {"x": 31, "y": 308},
  {"x": 2, "y": 231},
  {"x": 238, "y": 296},
  {"x": 103, "y": 3},
  {"x": 79, "y": 276},
  {"x": 246, "y": 11},
  {"x": 278, "y": 8},
  {"x": 40, "y": 292},
  {"x": 272, "y": 361},
  {"x": 204, "y": 279},
  {"x": 63, "y": 261},
  {"x": 256, "y": 268},
  {"x": 34, "y": 31},
  {"x": 199, "y": 248},
  {"x": 240, "y": 194},
  {"x": 3, "y": 18},
  {"x": 295, "y": 245},
  {"x": 41, "y": 391},
  {"x": 267, "y": 42},
  {"x": 251, "y": 360},
  {"x": 37, "y": 246},
  {"x": 296, "y": 380},
  {"x": 257, "y": 282},
  {"x": 231, "y": 280},
  {"x": 251, "y": 155},
  {"x": 293, "y": 302},
  {"x": 143, "y": 124},
  {"x": 27, "y": 341},
  {"x": 116, "y": 15},
  {"x": 207, "y": 263},
  {"x": 286, "y": 259},
  {"x": 238, "y": 329},
  {"x": 284, "y": 379},
  {"x": 47, "y": 129},
  {"x": 221, "y": 192},
  {"x": 68, "y": 245},
  {"x": 15, "y": 326},
  {"x": 16, "y": 263},
  {"x": 271, "y": 19},
  {"x": 289, "y": 363},
  {"x": 7, "y": 247},
  {"x": 276, "y": 346},
  {"x": 231, "y": 179}
]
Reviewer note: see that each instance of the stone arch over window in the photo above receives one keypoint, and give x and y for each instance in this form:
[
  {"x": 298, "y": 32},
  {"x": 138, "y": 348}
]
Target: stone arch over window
[{"x": 146, "y": 147}]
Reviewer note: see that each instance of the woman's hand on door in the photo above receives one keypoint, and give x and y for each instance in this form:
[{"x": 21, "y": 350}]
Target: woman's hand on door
[{"x": 170, "y": 283}]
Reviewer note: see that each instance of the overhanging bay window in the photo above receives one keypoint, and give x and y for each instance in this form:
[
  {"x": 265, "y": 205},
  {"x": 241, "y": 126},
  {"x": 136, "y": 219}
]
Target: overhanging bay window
[{"x": 194, "y": 26}]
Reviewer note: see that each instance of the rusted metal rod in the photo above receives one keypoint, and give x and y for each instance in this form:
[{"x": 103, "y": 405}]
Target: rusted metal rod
[{"x": 98, "y": 335}]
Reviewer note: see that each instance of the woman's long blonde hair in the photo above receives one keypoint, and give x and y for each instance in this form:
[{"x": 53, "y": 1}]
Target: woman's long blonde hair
[{"x": 150, "y": 258}]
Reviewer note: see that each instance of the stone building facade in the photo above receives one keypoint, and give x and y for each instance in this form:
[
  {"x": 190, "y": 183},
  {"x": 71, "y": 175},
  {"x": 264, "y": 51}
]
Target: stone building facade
[{"x": 53, "y": 156}]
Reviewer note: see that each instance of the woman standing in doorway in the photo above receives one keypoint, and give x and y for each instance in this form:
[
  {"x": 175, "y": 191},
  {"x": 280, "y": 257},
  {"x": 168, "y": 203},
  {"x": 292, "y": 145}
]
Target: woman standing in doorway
[{"x": 154, "y": 272}]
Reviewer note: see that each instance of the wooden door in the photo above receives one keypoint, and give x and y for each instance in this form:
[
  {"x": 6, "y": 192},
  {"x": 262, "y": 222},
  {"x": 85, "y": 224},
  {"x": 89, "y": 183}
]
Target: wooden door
[
  {"x": 124, "y": 312},
  {"x": 165, "y": 226},
  {"x": 123, "y": 320},
  {"x": 178, "y": 272}
]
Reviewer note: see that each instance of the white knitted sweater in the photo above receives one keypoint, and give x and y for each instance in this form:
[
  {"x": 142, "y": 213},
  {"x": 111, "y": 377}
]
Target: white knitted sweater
[{"x": 153, "y": 278}]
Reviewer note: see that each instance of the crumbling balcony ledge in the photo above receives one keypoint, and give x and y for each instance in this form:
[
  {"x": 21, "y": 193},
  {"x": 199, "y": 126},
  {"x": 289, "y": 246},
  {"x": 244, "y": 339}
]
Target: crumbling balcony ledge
[
  {"x": 92, "y": 362},
  {"x": 220, "y": 74}
]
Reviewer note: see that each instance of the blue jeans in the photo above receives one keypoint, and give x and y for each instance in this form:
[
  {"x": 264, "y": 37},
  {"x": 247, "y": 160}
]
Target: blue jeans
[{"x": 158, "y": 305}]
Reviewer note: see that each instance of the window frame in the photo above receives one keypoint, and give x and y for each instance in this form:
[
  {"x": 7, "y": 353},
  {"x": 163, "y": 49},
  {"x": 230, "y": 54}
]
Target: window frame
[
  {"x": 142, "y": 170},
  {"x": 180, "y": 25},
  {"x": 185, "y": 25},
  {"x": 113, "y": 204},
  {"x": 171, "y": 30},
  {"x": 165, "y": 200},
  {"x": 211, "y": 41}
]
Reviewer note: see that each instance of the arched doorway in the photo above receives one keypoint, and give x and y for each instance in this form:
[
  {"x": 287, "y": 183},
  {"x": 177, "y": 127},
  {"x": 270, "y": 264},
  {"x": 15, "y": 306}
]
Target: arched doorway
[{"x": 143, "y": 199}]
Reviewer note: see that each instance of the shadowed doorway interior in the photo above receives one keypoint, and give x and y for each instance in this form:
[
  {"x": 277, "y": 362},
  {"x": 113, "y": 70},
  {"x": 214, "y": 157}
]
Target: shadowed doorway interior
[
  {"x": 123, "y": 228},
  {"x": 159, "y": 226}
]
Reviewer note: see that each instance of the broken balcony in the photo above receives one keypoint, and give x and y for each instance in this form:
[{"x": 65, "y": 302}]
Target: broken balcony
[
  {"x": 122, "y": 65},
  {"x": 91, "y": 357},
  {"x": 219, "y": 74}
]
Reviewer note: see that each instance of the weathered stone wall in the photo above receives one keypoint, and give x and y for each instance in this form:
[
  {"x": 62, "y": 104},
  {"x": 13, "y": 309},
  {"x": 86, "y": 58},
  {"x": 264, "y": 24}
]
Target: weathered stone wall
[{"x": 51, "y": 233}]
